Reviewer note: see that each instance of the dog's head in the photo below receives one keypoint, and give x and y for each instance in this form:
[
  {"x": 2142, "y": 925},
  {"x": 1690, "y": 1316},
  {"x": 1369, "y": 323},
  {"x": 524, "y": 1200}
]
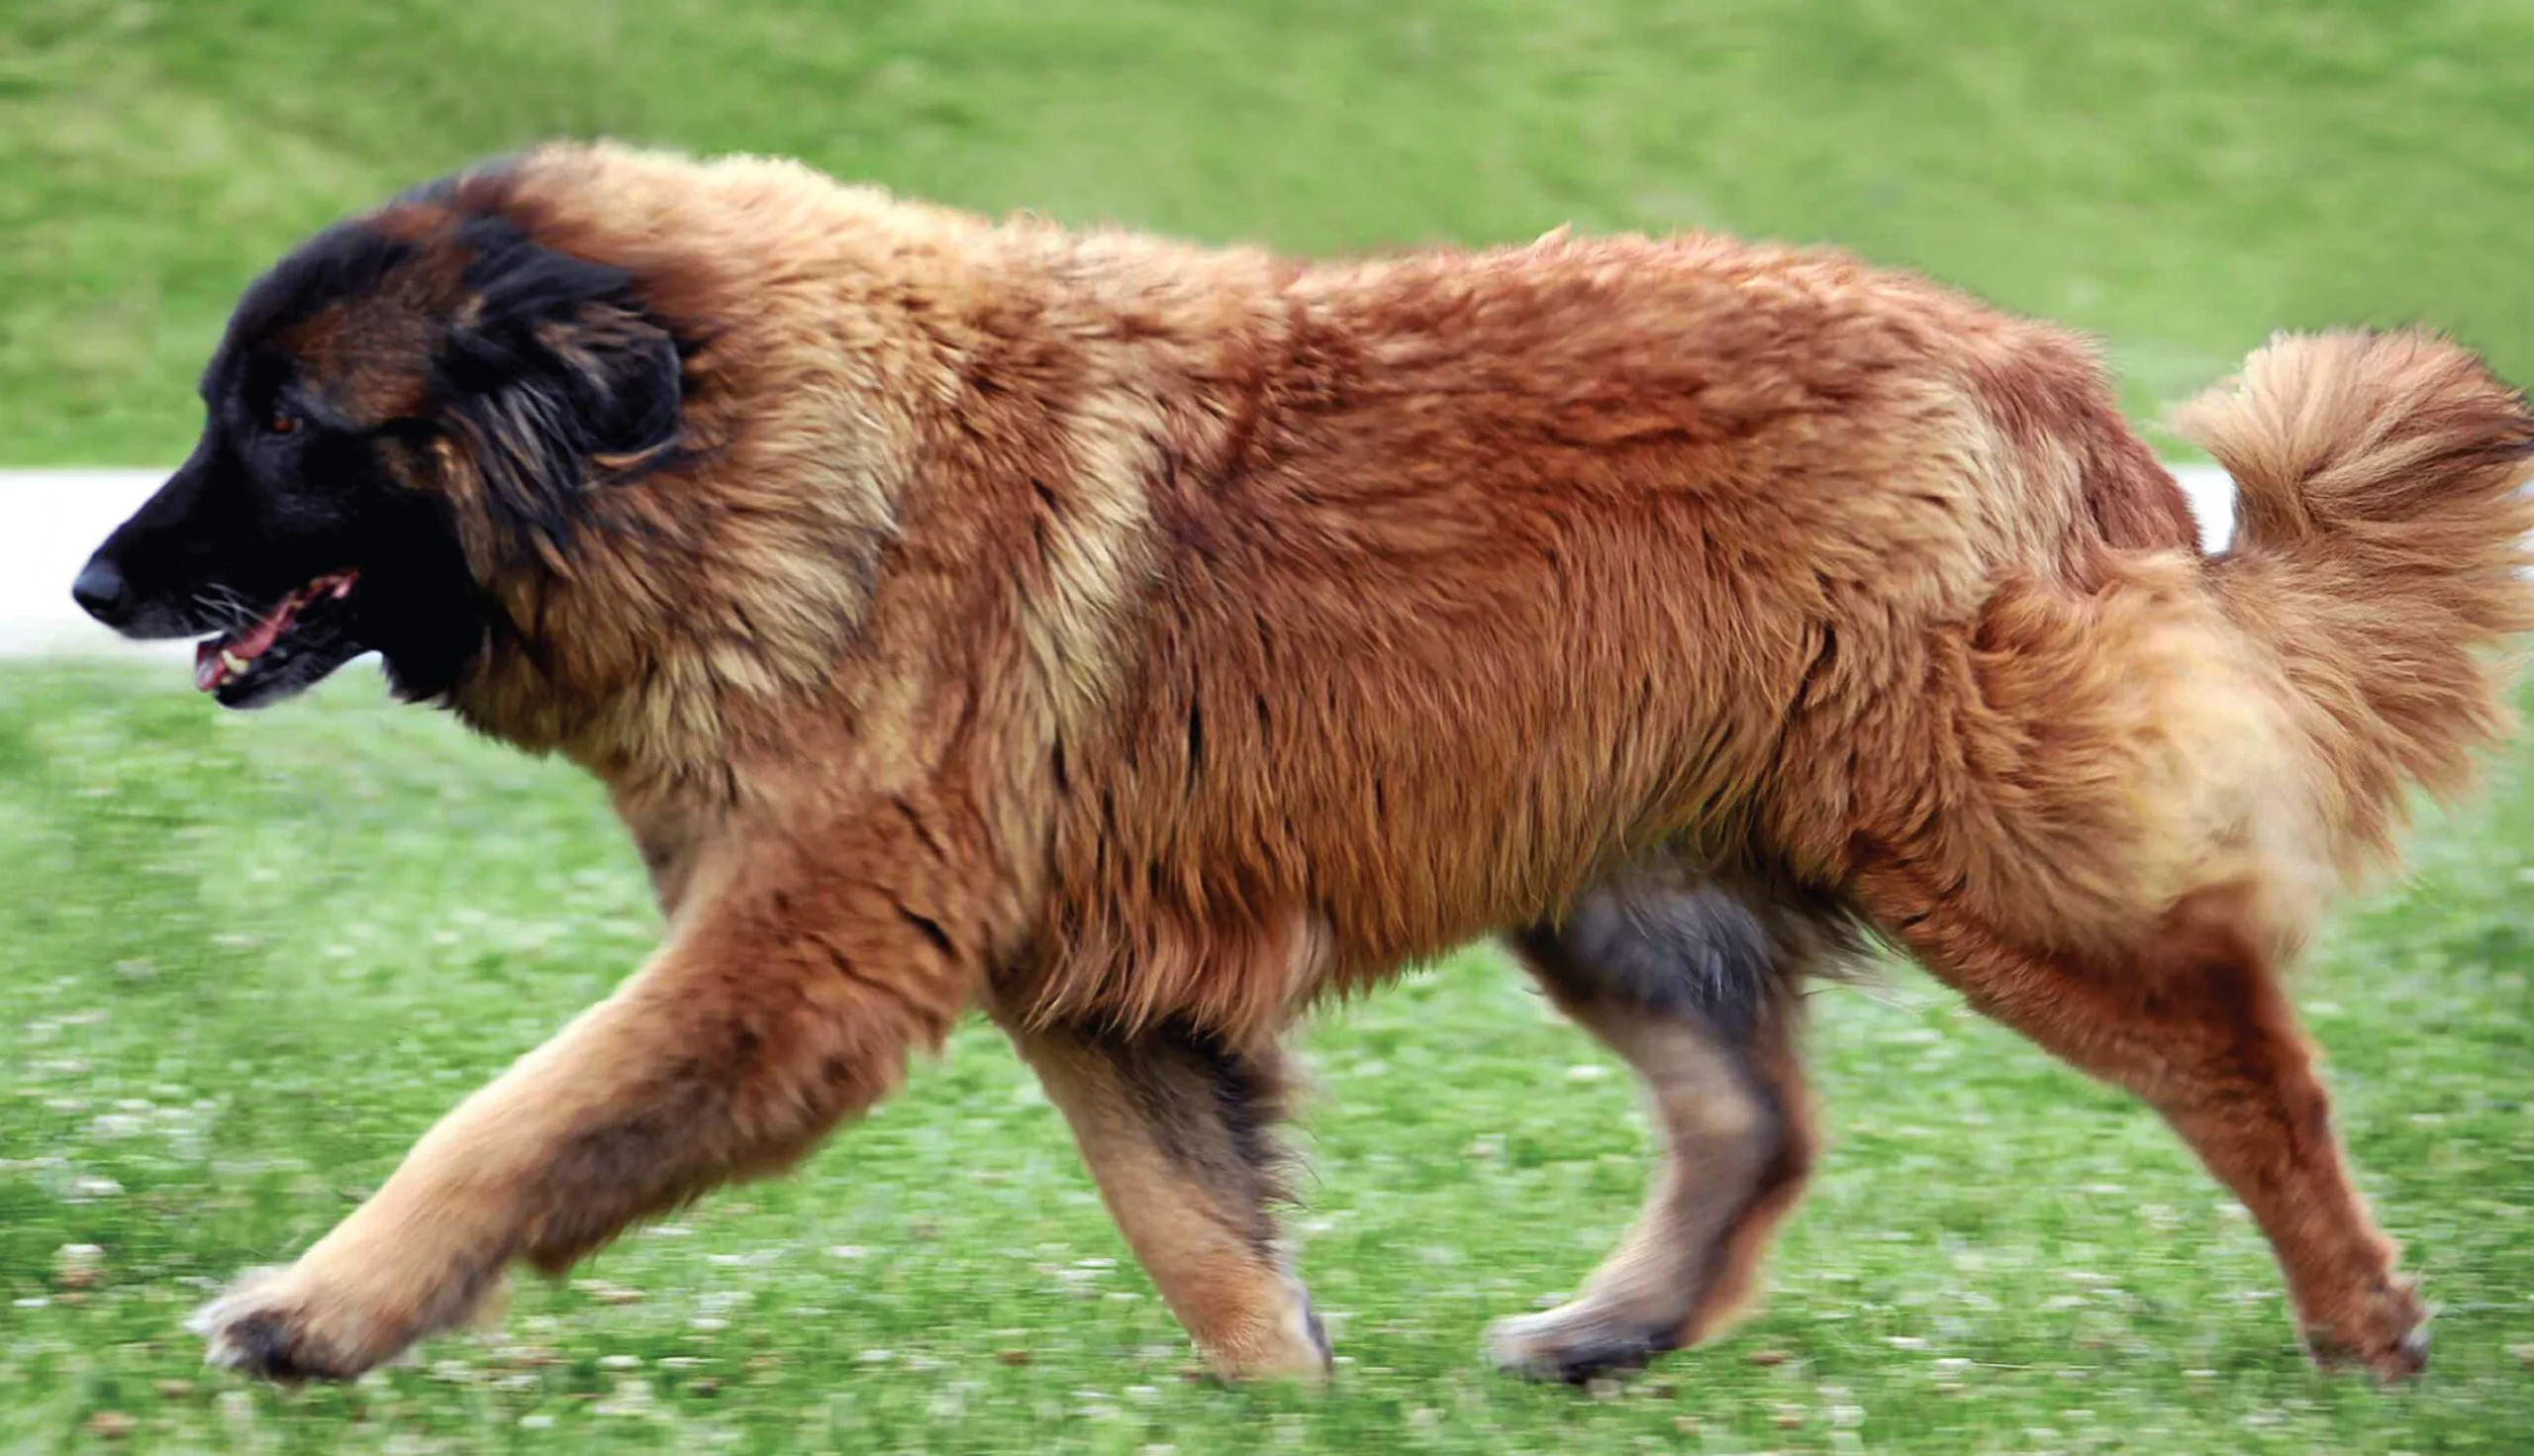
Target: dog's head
[{"x": 402, "y": 397}]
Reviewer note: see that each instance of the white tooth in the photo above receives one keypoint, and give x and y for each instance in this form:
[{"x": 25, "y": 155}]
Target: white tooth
[{"x": 231, "y": 661}]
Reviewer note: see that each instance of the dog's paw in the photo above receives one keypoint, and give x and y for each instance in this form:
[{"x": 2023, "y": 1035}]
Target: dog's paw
[
  {"x": 1573, "y": 1343},
  {"x": 1293, "y": 1347},
  {"x": 268, "y": 1327},
  {"x": 2387, "y": 1335},
  {"x": 291, "y": 1325}
]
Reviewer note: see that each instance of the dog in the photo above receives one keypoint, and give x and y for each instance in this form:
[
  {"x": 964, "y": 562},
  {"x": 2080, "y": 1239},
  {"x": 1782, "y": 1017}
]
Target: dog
[{"x": 1139, "y": 643}]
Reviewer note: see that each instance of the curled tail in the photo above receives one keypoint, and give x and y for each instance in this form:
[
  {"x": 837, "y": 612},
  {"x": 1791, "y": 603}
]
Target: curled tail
[{"x": 2381, "y": 553}]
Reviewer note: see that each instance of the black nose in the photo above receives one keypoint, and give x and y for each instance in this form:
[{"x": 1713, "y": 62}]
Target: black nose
[{"x": 100, "y": 591}]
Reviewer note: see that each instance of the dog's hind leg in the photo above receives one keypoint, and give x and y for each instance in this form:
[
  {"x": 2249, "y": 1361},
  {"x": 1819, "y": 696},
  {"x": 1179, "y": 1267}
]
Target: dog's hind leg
[
  {"x": 2091, "y": 818},
  {"x": 2194, "y": 1023},
  {"x": 1178, "y": 1130},
  {"x": 1697, "y": 993}
]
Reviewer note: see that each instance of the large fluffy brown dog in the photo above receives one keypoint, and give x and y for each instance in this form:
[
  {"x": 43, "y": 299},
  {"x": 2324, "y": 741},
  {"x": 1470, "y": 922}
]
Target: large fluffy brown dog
[{"x": 1138, "y": 641}]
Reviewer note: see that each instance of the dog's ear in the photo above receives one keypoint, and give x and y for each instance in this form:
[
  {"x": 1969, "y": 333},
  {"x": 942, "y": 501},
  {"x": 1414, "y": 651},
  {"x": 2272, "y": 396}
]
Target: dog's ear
[{"x": 558, "y": 376}]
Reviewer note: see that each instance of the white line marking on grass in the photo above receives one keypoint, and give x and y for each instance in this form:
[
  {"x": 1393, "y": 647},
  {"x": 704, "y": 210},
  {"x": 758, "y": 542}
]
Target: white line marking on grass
[{"x": 49, "y": 521}]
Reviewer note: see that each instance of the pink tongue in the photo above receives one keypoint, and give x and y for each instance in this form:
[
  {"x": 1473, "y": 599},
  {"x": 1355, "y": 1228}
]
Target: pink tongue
[
  {"x": 210, "y": 668},
  {"x": 254, "y": 643}
]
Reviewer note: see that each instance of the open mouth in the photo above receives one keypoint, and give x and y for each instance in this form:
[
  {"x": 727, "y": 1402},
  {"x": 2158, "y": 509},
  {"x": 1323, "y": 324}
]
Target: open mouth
[{"x": 238, "y": 656}]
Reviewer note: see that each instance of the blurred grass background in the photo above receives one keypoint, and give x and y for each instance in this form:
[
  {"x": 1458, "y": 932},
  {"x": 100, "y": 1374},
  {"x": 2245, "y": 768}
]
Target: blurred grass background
[
  {"x": 2180, "y": 175},
  {"x": 244, "y": 961}
]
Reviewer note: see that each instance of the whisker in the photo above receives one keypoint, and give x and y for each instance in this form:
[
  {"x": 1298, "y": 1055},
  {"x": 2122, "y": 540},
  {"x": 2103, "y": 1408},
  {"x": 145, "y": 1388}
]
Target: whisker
[{"x": 226, "y": 606}]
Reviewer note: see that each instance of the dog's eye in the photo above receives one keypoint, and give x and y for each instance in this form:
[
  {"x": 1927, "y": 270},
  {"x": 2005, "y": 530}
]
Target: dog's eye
[{"x": 281, "y": 421}]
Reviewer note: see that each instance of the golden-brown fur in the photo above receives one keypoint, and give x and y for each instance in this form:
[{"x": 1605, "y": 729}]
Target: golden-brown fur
[{"x": 1140, "y": 641}]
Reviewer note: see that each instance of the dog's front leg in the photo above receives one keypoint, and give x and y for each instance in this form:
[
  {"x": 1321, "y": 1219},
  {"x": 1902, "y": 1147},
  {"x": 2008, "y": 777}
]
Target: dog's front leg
[{"x": 775, "y": 1010}]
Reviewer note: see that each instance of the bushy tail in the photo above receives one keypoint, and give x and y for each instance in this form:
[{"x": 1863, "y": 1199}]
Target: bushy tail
[{"x": 2381, "y": 550}]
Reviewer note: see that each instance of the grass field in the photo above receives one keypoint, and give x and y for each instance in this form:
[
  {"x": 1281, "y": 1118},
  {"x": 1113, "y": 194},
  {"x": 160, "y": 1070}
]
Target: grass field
[
  {"x": 249, "y": 958},
  {"x": 2181, "y": 175},
  {"x": 244, "y": 961}
]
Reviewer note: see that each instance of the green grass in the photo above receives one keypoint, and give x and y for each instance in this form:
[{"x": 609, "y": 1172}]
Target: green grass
[
  {"x": 249, "y": 958},
  {"x": 2180, "y": 175}
]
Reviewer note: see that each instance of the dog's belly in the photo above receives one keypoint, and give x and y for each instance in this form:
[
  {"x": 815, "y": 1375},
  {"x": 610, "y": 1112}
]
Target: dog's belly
[{"x": 1274, "y": 833}]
